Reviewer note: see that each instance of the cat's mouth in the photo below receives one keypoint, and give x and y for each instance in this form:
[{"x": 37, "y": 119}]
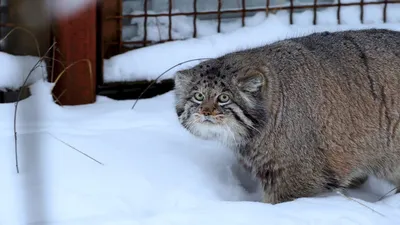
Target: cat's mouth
[
  {"x": 208, "y": 119},
  {"x": 204, "y": 119}
]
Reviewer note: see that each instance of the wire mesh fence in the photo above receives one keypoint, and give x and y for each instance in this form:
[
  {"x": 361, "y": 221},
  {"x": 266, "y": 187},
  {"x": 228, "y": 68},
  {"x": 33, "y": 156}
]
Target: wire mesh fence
[{"x": 138, "y": 18}]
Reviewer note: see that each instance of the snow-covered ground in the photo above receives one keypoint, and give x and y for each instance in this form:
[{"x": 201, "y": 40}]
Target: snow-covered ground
[
  {"x": 15, "y": 70},
  {"x": 104, "y": 163}
]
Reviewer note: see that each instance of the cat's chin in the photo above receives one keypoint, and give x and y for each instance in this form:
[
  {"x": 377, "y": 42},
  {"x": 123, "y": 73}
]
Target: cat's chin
[
  {"x": 214, "y": 131},
  {"x": 209, "y": 123},
  {"x": 208, "y": 130}
]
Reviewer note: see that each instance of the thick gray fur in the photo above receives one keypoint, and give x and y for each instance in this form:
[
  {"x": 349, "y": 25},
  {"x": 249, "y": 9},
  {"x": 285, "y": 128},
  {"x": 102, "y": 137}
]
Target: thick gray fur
[{"x": 307, "y": 114}]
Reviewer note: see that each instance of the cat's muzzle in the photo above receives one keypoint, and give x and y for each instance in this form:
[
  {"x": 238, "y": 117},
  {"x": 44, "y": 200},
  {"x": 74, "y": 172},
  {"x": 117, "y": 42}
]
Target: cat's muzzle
[{"x": 207, "y": 119}]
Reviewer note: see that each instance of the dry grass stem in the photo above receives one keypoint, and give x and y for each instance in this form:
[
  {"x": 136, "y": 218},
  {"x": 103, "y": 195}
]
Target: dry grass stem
[
  {"x": 360, "y": 203},
  {"x": 385, "y": 195},
  {"x": 28, "y": 32},
  {"x": 73, "y": 64},
  {"x": 16, "y": 106},
  {"x": 155, "y": 80},
  {"x": 65, "y": 143}
]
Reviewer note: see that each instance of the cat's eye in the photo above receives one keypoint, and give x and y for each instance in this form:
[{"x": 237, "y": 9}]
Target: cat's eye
[
  {"x": 198, "y": 96},
  {"x": 223, "y": 98}
]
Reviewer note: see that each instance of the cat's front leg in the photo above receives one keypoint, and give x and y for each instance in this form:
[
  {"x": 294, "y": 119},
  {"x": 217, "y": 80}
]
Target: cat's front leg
[
  {"x": 272, "y": 196},
  {"x": 287, "y": 186}
]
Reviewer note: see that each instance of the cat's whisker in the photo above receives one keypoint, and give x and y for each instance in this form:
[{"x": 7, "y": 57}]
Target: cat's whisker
[
  {"x": 189, "y": 124},
  {"x": 252, "y": 127},
  {"x": 232, "y": 134}
]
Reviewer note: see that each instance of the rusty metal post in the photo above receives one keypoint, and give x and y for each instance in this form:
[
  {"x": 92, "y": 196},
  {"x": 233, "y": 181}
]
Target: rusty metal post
[{"x": 76, "y": 45}]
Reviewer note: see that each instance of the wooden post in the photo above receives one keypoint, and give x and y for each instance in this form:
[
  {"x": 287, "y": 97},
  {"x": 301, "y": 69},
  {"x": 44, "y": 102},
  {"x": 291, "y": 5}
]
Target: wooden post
[{"x": 76, "y": 45}]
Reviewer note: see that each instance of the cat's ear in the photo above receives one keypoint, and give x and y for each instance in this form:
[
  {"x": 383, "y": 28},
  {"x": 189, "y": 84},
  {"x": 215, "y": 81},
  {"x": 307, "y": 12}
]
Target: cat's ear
[
  {"x": 182, "y": 78},
  {"x": 251, "y": 81}
]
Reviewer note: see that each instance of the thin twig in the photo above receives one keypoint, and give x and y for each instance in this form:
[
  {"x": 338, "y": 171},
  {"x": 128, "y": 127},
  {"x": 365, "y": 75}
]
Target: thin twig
[
  {"x": 57, "y": 100},
  {"x": 154, "y": 81},
  {"x": 385, "y": 195},
  {"x": 58, "y": 97},
  {"x": 27, "y": 31},
  {"x": 23, "y": 86},
  {"x": 362, "y": 204},
  {"x": 16, "y": 106},
  {"x": 71, "y": 65},
  {"x": 65, "y": 143},
  {"x": 54, "y": 59},
  {"x": 158, "y": 28}
]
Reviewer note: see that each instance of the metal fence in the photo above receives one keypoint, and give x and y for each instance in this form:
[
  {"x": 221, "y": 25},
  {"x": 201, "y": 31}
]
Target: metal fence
[{"x": 142, "y": 12}]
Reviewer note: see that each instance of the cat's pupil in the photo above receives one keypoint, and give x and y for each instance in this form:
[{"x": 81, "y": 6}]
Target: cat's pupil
[
  {"x": 223, "y": 98},
  {"x": 199, "y": 96}
]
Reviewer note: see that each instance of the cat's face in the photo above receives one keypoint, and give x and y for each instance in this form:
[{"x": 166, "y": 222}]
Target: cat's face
[{"x": 221, "y": 102}]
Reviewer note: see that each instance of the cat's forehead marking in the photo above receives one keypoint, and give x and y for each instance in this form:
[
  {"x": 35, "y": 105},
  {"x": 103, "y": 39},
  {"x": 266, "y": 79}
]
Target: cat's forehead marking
[
  {"x": 211, "y": 87},
  {"x": 212, "y": 77}
]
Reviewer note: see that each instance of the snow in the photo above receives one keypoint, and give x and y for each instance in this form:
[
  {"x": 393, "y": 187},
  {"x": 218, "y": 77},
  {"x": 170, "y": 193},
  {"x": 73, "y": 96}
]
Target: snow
[
  {"x": 104, "y": 163},
  {"x": 152, "y": 171},
  {"x": 63, "y": 8},
  {"x": 259, "y": 30},
  {"x": 16, "y": 69}
]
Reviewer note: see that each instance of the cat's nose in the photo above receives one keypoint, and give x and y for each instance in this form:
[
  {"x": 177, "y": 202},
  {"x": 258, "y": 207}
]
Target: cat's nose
[{"x": 206, "y": 111}]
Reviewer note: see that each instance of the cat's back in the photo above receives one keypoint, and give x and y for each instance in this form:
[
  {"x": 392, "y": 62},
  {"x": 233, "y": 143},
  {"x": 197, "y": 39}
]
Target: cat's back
[
  {"x": 349, "y": 61},
  {"x": 344, "y": 85},
  {"x": 342, "y": 50},
  {"x": 363, "y": 43}
]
